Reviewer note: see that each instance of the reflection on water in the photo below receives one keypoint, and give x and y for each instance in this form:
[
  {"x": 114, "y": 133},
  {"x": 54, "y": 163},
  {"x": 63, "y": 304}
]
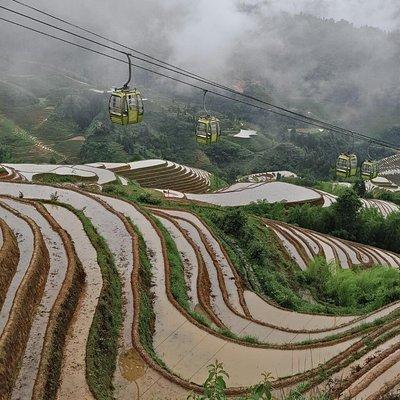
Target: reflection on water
[{"x": 131, "y": 365}]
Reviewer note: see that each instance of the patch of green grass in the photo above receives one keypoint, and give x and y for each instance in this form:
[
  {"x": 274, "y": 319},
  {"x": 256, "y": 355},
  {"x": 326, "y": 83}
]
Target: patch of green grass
[
  {"x": 361, "y": 290},
  {"x": 177, "y": 271},
  {"x": 217, "y": 183},
  {"x": 102, "y": 345},
  {"x": 179, "y": 288},
  {"x": 54, "y": 363},
  {"x": 56, "y": 129},
  {"x": 134, "y": 192},
  {"x": 54, "y": 178},
  {"x": 146, "y": 313}
]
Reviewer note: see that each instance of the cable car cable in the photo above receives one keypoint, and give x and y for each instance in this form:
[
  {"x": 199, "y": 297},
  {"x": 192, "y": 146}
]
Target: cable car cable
[
  {"x": 204, "y": 81},
  {"x": 376, "y": 141},
  {"x": 174, "y": 68},
  {"x": 302, "y": 118},
  {"x": 107, "y": 39}
]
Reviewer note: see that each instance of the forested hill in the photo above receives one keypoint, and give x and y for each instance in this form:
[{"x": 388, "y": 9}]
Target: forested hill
[{"x": 314, "y": 66}]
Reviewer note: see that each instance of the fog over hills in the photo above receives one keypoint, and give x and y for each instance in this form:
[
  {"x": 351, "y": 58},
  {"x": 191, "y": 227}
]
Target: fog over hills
[{"x": 292, "y": 49}]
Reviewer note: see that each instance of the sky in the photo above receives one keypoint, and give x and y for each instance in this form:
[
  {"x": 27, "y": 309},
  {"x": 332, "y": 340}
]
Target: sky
[
  {"x": 383, "y": 14},
  {"x": 222, "y": 39}
]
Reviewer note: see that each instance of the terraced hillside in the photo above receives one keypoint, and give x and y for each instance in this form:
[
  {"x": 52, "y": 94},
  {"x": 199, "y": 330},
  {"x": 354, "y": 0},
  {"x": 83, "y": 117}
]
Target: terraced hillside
[
  {"x": 160, "y": 174},
  {"x": 102, "y": 298},
  {"x": 383, "y": 206},
  {"x": 390, "y": 168}
]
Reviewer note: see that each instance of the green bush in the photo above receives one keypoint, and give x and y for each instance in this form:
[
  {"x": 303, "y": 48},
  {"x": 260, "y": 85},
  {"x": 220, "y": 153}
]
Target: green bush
[{"x": 360, "y": 290}]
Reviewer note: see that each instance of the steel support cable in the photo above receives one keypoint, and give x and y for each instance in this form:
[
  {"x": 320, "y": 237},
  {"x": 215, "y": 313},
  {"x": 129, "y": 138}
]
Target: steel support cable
[
  {"x": 186, "y": 73},
  {"x": 301, "y": 119}
]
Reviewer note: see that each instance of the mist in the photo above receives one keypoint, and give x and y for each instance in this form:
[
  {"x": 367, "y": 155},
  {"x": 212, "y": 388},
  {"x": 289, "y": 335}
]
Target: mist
[{"x": 343, "y": 53}]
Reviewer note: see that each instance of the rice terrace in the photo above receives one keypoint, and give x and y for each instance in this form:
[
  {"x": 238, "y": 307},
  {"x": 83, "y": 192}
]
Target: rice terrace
[{"x": 184, "y": 235}]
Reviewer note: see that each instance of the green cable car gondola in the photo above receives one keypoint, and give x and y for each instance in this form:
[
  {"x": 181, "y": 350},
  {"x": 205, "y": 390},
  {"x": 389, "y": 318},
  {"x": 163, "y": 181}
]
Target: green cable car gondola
[
  {"x": 369, "y": 169},
  {"x": 126, "y": 105},
  {"x": 208, "y": 130},
  {"x": 346, "y": 165}
]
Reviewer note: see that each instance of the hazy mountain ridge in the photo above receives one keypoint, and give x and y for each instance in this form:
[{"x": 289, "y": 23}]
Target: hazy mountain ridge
[{"x": 310, "y": 64}]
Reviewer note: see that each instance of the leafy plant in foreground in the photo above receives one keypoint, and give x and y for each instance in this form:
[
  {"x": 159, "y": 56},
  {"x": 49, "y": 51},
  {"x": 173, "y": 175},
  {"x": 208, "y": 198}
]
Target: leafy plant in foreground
[{"x": 215, "y": 386}]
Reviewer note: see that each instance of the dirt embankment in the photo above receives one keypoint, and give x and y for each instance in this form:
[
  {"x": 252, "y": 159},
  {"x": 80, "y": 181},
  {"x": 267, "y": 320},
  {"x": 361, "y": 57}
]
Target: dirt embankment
[
  {"x": 9, "y": 257},
  {"x": 16, "y": 332},
  {"x": 60, "y": 318}
]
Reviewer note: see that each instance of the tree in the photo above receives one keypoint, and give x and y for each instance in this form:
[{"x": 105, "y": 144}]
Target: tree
[
  {"x": 346, "y": 211},
  {"x": 359, "y": 187}
]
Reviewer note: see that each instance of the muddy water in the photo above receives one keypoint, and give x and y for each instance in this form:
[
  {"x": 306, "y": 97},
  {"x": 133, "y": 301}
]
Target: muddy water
[
  {"x": 73, "y": 374},
  {"x": 168, "y": 322},
  {"x": 271, "y": 192},
  {"x": 300, "y": 240},
  {"x": 307, "y": 239},
  {"x": 290, "y": 248},
  {"x": 350, "y": 251},
  {"x": 362, "y": 361},
  {"x": 376, "y": 257},
  {"x": 380, "y": 381},
  {"x": 228, "y": 275},
  {"x": 246, "y": 364},
  {"x": 58, "y": 265},
  {"x": 107, "y": 224},
  {"x": 187, "y": 349},
  {"x": 364, "y": 256},
  {"x": 266, "y": 312},
  {"x": 165, "y": 326},
  {"x": 310, "y": 322},
  {"x": 391, "y": 260},
  {"x": 24, "y": 235},
  {"x": 340, "y": 254},
  {"x": 196, "y": 347},
  {"x": 327, "y": 249},
  {"x": 188, "y": 257},
  {"x": 307, "y": 242},
  {"x": 110, "y": 227},
  {"x": 237, "y": 324}
]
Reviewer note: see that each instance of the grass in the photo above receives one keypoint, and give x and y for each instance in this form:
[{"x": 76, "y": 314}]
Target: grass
[
  {"x": 326, "y": 186},
  {"x": 179, "y": 288},
  {"x": 134, "y": 192},
  {"x": 261, "y": 264},
  {"x": 54, "y": 178},
  {"x": 146, "y": 313},
  {"x": 53, "y": 368},
  {"x": 361, "y": 290},
  {"x": 217, "y": 183},
  {"x": 56, "y": 129},
  {"x": 102, "y": 345},
  {"x": 330, "y": 187}
]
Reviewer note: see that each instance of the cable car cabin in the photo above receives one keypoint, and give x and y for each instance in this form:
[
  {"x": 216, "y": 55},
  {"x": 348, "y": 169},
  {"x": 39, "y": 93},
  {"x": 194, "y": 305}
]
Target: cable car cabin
[
  {"x": 126, "y": 107},
  {"x": 346, "y": 165},
  {"x": 369, "y": 169},
  {"x": 208, "y": 130}
]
